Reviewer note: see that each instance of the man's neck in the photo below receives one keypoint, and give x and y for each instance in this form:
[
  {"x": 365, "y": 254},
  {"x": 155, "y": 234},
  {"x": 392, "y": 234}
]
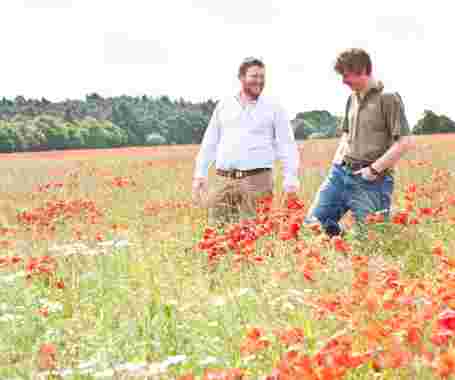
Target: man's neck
[{"x": 362, "y": 92}]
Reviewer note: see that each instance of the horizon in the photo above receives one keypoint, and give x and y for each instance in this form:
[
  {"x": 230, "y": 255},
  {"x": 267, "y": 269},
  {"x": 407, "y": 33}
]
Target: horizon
[{"x": 292, "y": 116}]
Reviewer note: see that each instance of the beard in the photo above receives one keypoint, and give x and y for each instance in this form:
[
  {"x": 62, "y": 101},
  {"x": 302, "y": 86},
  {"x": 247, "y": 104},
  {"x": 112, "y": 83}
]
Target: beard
[{"x": 253, "y": 90}]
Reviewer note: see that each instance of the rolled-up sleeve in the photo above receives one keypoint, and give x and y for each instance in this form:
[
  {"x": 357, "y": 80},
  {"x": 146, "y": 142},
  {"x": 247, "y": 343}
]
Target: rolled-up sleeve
[
  {"x": 286, "y": 149},
  {"x": 397, "y": 121},
  {"x": 207, "y": 151}
]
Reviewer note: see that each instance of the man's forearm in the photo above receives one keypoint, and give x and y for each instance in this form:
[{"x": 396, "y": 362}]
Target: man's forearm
[
  {"x": 207, "y": 152},
  {"x": 290, "y": 159},
  {"x": 287, "y": 151},
  {"x": 394, "y": 153},
  {"x": 204, "y": 158}
]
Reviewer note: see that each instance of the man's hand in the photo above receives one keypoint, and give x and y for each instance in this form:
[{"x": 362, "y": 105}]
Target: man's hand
[
  {"x": 366, "y": 174},
  {"x": 341, "y": 150},
  {"x": 199, "y": 190}
]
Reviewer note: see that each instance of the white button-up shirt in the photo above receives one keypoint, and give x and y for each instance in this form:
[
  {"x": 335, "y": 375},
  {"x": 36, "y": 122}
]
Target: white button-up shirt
[{"x": 249, "y": 136}]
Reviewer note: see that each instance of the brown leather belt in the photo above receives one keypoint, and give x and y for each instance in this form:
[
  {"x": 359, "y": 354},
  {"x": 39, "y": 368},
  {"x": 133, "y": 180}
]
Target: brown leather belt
[{"x": 239, "y": 174}]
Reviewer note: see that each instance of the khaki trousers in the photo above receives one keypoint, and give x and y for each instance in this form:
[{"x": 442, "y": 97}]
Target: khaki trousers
[{"x": 232, "y": 199}]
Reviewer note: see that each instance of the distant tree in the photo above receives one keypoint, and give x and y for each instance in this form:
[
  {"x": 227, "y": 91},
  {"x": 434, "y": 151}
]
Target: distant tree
[
  {"x": 322, "y": 123},
  {"x": 7, "y": 138},
  {"x": 430, "y": 123},
  {"x": 68, "y": 117},
  {"x": 77, "y": 137}
]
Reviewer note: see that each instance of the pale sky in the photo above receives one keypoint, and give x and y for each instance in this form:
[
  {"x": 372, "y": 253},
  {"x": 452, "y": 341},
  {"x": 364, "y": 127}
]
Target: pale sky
[{"x": 68, "y": 48}]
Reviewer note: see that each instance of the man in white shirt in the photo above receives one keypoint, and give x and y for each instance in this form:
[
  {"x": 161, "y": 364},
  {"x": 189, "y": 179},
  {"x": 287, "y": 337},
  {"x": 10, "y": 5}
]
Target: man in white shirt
[{"x": 246, "y": 134}]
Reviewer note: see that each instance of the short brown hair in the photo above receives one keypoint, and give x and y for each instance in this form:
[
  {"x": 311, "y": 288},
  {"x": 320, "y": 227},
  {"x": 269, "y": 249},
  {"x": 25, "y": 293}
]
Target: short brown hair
[
  {"x": 249, "y": 62},
  {"x": 354, "y": 60}
]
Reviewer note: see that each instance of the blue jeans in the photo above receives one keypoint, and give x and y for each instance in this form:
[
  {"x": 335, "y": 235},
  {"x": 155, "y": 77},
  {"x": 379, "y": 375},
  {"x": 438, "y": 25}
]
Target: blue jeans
[{"x": 342, "y": 191}]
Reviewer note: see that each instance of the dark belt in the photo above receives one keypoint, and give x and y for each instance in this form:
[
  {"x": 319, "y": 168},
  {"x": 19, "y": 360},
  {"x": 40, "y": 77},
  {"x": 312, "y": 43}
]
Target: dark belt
[
  {"x": 355, "y": 165},
  {"x": 239, "y": 174}
]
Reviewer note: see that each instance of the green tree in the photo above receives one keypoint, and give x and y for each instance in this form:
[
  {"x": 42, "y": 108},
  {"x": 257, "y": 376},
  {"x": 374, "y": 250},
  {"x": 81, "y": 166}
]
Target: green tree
[
  {"x": 7, "y": 138},
  {"x": 430, "y": 123}
]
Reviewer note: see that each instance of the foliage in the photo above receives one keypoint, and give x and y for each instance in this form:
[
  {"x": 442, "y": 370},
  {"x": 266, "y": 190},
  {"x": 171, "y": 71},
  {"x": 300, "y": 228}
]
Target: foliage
[
  {"x": 315, "y": 124},
  {"x": 431, "y": 123},
  {"x": 97, "y": 122}
]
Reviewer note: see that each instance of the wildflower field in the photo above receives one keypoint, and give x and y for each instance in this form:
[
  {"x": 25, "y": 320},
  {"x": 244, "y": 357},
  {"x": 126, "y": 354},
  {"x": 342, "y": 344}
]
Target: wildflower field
[{"x": 108, "y": 271}]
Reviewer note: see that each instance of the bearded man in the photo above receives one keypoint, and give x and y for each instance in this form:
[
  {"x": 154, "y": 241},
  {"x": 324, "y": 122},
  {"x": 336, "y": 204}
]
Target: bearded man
[{"x": 246, "y": 134}]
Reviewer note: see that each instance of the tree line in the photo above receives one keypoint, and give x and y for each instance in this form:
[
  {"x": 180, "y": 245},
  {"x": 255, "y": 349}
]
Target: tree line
[{"x": 97, "y": 122}]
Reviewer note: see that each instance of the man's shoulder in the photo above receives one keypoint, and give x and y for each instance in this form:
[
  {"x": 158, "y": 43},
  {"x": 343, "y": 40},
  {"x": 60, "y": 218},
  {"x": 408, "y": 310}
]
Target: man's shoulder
[
  {"x": 226, "y": 102},
  {"x": 270, "y": 100},
  {"x": 390, "y": 97},
  {"x": 226, "y": 99}
]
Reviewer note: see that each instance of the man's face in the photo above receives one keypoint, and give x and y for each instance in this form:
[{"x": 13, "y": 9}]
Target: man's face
[
  {"x": 356, "y": 81},
  {"x": 253, "y": 81}
]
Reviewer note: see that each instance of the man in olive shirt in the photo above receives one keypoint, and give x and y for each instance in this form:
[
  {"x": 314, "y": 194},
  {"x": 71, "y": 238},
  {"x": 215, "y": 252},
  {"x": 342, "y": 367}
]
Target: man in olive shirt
[{"x": 375, "y": 136}]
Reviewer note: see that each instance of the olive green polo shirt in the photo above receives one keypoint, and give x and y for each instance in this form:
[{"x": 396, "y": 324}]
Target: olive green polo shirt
[{"x": 373, "y": 121}]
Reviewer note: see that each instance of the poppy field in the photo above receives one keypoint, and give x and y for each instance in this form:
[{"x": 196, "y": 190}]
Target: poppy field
[{"x": 109, "y": 271}]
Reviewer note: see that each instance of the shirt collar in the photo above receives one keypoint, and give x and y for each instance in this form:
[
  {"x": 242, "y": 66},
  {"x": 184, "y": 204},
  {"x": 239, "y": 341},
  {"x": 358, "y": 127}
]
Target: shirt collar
[
  {"x": 373, "y": 85},
  {"x": 249, "y": 103}
]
